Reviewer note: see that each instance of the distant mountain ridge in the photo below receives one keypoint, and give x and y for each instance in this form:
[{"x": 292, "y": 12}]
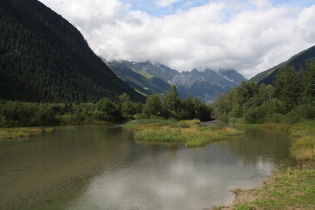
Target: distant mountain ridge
[
  {"x": 45, "y": 58},
  {"x": 206, "y": 85},
  {"x": 297, "y": 61},
  {"x": 138, "y": 78}
]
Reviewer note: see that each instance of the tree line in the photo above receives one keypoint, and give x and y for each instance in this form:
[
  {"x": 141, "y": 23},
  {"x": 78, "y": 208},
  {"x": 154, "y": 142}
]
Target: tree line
[
  {"x": 17, "y": 113},
  {"x": 290, "y": 99}
]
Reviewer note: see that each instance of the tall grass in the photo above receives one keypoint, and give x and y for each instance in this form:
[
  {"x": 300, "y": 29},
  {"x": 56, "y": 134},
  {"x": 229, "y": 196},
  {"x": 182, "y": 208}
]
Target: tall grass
[
  {"x": 14, "y": 133},
  {"x": 303, "y": 148},
  {"x": 188, "y": 132},
  {"x": 163, "y": 134}
]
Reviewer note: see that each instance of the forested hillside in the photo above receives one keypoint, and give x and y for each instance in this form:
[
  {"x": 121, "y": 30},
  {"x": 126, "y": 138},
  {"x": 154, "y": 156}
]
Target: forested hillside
[
  {"x": 44, "y": 58},
  {"x": 290, "y": 99}
]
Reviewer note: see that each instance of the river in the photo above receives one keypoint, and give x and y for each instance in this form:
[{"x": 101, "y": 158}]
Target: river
[{"x": 101, "y": 167}]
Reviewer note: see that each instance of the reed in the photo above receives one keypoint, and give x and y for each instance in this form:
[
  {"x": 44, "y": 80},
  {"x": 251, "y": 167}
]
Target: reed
[
  {"x": 303, "y": 148},
  {"x": 12, "y": 133}
]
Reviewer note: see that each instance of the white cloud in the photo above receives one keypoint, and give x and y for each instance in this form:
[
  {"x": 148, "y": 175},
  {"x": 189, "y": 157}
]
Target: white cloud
[
  {"x": 305, "y": 22},
  {"x": 165, "y": 3},
  {"x": 248, "y": 36},
  {"x": 261, "y": 4}
]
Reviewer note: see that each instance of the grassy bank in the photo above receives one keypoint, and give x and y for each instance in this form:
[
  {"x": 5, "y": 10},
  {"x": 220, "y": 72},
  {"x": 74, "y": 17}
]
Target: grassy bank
[
  {"x": 189, "y": 132},
  {"x": 303, "y": 148},
  {"x": 14, "y": 133},
  {"x": 286, "y": 189}
]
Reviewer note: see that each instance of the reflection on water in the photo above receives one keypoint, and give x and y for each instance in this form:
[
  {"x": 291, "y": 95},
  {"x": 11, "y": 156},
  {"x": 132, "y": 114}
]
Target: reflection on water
[
  {"x": 48, "y": 169},
  {"x": 96, "y": 168}
]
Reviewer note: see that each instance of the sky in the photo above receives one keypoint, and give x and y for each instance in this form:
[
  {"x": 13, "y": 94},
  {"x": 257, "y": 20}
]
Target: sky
[{"x": 249, "y": 36}]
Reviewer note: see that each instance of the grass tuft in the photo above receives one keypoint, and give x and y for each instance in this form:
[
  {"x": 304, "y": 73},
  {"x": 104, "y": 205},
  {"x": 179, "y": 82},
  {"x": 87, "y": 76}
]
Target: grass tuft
[{"x": 304, "y": 148}]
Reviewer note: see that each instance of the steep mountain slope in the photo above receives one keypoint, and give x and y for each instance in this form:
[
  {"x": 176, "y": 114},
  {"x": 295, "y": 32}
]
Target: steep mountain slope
[
  {"x": 298, "y": 61},
  {"x": 44, "y": 58},
  {"x": 206, "y": 85},
  {"x": 232, "y": 75},
  {"x": 147, "y": 85}
]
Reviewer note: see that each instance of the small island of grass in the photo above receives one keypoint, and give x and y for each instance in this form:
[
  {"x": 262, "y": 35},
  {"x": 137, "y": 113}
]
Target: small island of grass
[
  {"x": 189, "y": 132},
  {"x": 14, "y": 133}
]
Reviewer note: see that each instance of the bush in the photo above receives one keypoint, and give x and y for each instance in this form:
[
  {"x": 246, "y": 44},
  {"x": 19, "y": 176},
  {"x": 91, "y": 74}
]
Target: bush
[
  {"x": 269, "y": 111},
  {"x": 300, "y": 113}
]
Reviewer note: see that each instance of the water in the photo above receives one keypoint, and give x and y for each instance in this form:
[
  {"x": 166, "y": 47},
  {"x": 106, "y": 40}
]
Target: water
[{"x": 97, "y": 167}]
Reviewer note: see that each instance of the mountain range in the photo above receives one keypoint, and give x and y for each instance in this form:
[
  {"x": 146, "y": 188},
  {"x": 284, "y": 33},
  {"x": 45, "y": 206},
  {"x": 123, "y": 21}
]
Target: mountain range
[
  {"x": 45, "y": 58},
  {"x": 150, "y": 78}
]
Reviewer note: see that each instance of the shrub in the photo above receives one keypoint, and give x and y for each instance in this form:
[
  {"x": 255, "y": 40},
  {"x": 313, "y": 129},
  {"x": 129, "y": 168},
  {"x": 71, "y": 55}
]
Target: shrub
[
  {"x": 304, "y": 148},
  {"x": 300, "y": 113}
]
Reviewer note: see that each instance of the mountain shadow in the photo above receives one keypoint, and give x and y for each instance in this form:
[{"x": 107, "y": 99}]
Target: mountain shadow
[{"x": 45, "y": 58}]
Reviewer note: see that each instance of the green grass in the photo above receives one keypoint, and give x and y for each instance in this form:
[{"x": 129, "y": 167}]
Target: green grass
[
  {"x": 189, "y": 132},
  {"x": 287, "y": 189},
  {"x": 17, "y": 133}
]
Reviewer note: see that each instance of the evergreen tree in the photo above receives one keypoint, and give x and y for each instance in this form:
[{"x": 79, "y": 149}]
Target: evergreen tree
[
  {"x": 309, "y": 83},
  {"x": 288, "y": 87},
  {"x": 153, "y": 106},
  {"x": 171, "y": 101},
  {"x": 189, "y": 109}
]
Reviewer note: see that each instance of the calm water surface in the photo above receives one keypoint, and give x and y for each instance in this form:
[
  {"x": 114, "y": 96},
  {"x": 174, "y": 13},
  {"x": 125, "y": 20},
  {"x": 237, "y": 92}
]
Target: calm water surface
[{"x": 97, "y": 167}]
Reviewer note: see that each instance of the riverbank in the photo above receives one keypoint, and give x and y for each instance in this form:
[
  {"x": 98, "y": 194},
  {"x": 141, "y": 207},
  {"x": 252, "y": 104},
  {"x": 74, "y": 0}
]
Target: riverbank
[
  {"x": 303, "y": 148},
  {"x": 286, "y": 188},
  {"x": 190, "y": 132},
  {"x": 12, "y": 133}
]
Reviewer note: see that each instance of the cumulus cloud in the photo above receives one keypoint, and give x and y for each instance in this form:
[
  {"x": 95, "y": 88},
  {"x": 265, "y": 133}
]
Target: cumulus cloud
[
  {"x": 165, "y": 3},
  {"x": 249, "y": 36}
]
